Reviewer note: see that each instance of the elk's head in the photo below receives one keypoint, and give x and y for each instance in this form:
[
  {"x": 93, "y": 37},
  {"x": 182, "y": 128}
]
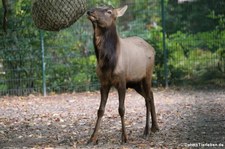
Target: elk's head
[{"x": 105, "y": 16}]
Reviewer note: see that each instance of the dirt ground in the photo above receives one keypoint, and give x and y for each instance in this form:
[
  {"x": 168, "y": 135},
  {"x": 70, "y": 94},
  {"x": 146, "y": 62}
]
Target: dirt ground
[{"x": 187, "y": 119}]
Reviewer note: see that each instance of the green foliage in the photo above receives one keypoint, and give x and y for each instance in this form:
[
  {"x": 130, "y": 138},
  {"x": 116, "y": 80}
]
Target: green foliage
[
  {"x": 194, "y": 17},
  {"x": 19, "y": 51},
  {"x": 155, "y": 39},
  {"x": 191, "y": 56},
  {"x": 195, "y": 41}
]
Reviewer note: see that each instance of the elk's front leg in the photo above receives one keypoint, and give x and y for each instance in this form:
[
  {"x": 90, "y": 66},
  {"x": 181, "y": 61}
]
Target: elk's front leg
[
  {"x": 104, "y": 95},
  {"x": 122, "y": 91}
]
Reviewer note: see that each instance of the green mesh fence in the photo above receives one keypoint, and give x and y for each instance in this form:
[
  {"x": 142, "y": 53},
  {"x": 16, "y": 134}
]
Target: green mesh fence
[
  {"x": 195, "y": 40},
  {"x": 195, "y": 51}
]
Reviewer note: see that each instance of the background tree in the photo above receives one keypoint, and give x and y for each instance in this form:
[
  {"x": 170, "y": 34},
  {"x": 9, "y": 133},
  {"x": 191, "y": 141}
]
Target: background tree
[{"x": 196, "y": 16}]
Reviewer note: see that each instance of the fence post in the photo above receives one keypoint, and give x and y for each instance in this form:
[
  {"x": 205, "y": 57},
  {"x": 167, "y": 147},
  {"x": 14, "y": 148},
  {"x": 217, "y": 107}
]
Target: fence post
[
  {"x": 43, "y": 62},
  {"x": 165, "y": 52}
]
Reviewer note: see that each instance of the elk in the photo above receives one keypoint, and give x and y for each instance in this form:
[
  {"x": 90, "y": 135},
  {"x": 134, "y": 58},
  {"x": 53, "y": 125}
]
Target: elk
[{"x": 122, "y": 63}]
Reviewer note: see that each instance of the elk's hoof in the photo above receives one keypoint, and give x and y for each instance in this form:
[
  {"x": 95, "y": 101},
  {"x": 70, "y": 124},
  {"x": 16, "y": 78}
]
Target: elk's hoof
[
  {"x": 92, "y": 141},
  {"x": 145, "y": 136},
  {"x": 124, "y": 139},
  {"x": 146, "y": 133},
  {"x": 155, "y": 128}
]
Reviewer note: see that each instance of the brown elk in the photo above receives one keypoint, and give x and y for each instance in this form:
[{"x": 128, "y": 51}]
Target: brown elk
[{"x": 122, "y": 63}]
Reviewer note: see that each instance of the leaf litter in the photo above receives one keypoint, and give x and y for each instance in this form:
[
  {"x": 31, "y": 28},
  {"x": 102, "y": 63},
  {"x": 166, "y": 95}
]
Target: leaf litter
[{"x": 67, "y": 120}]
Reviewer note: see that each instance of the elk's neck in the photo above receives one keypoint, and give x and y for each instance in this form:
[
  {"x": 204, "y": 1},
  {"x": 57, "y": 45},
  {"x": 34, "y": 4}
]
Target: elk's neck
[{"x": 106, "y": 42}]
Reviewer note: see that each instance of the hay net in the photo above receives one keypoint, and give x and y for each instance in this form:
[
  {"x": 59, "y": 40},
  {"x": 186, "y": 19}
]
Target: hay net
[{"x": 54, "y": 15}]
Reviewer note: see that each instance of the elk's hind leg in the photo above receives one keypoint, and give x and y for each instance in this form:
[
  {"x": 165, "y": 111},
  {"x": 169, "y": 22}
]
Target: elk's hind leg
[
  {"x": 155, "y": 126},
  {"x": 139, "y": 87},
  {"x": 150, "y": 107}
]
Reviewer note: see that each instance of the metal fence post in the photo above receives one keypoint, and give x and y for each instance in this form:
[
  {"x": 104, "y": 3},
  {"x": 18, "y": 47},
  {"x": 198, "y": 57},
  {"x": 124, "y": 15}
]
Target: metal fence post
[
  {"x": 43, "y": 62},
  {"x": 165, "y": 51}
]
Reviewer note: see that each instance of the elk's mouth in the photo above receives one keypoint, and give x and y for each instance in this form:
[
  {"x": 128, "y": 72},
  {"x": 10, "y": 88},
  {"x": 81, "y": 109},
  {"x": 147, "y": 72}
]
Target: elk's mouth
[{"x": 91, "y": 16}]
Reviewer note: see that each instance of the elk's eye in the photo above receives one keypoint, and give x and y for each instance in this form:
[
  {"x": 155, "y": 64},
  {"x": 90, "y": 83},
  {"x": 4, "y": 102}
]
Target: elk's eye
[{"x": 109, "y": 11}]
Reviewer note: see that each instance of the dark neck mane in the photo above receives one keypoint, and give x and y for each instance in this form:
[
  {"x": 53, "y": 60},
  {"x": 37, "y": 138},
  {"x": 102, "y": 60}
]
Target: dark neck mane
[{"x": 105, "y": 43}]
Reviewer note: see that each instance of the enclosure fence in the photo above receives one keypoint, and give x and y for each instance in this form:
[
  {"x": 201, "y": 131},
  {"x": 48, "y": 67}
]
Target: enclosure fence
[{"x": 189, "y": 50}]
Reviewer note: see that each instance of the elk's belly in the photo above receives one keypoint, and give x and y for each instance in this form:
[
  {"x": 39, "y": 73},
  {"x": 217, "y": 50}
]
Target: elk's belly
[
  {"x": 135, "y": 71},
  {"x": 133, "y": 64}
]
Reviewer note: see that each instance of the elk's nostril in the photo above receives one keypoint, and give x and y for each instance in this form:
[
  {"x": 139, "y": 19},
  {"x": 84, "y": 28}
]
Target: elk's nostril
[{"x": 89, "y": 12}]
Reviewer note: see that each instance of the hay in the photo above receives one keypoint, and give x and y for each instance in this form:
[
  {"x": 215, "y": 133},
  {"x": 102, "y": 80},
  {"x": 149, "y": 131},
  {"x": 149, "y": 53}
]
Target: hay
[{"x": 54, "y": 15}]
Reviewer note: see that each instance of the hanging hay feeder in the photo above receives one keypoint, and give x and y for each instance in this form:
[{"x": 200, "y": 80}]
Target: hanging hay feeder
[{"x": 54, "y": 15}]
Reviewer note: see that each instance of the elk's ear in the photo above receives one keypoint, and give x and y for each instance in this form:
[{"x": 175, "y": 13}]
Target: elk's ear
[{"x": 120, "y": 11}]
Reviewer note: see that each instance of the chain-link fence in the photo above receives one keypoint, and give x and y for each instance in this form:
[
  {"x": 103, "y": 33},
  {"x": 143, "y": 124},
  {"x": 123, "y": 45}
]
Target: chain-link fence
[
  {"x": 195, "y": 40},
  {"x": 35, "y": 61}
]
